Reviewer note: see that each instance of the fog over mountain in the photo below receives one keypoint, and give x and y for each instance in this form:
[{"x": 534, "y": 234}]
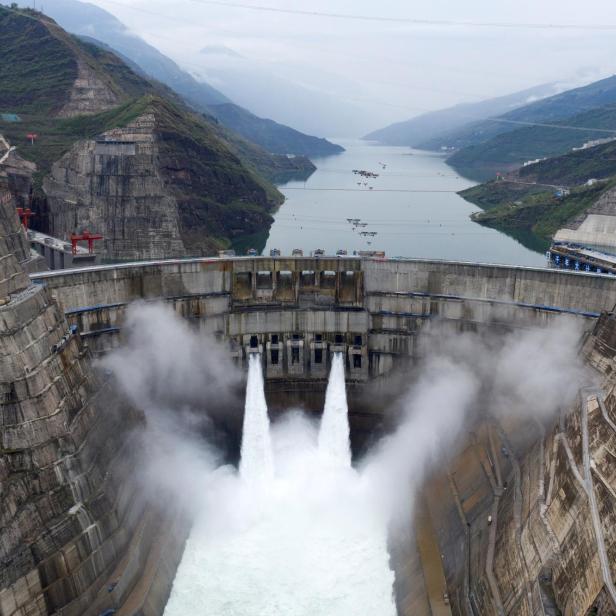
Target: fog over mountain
[
  {"x": 292, "y": 99},
  {"x": 338, "y": 73},
  {"x": 101, "y": 28}
]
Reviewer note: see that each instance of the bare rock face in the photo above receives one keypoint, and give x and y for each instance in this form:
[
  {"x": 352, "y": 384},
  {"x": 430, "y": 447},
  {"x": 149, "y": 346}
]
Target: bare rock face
[
  {"x": 18, "y": 173},
  {"x": 154, "y": 189},
  {"x": 68, "y": 511},
  {"x": 111, "y": 185},
  {"x": 89, "y": 94},
  {"x": 526, "y": 517}
]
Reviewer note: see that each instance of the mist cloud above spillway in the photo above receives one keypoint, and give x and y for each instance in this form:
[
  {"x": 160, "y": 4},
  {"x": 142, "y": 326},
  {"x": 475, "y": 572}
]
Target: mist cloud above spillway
[
  {"x": 314, "y": 510},
  {"x": 165, "y": 362},
  {"x": 522, "y": 376},
  {"x": 178, "y": 377}
]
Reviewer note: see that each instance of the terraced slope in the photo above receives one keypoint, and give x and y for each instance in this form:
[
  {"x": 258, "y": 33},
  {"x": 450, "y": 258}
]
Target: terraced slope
[{"x": 207, "y": 183}]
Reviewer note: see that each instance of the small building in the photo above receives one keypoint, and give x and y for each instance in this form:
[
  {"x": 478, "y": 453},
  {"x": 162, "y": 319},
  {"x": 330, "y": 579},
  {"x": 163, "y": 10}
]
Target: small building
[
  {"x": 10, "y": 117},
  {"x": 561, "y": 193}
]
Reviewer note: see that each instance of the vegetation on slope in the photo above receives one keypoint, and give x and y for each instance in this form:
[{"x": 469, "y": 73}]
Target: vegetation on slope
[
  {"x": 553, "y": 109},
  {"x": 270, "y": 135},
  {"x": 273, "y": 167},
  {"x": 529, "y": 202},
  {"x": 431, "y": 130},
  {"x": 57, "y": 135},
  {"x": 224, "y": 195},
  {"x": 185, "y": 136},
  {"x": 598, "y": 162},
  {"x": 533, "y": 210},
  {"x": 33, "y": 78},
  {"x": 511, "y": 150},
  {"x": 98, "y": 25}
]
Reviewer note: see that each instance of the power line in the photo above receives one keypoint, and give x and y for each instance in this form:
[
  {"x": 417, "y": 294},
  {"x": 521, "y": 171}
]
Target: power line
[
  {"x": 484, "y": 231},
  {"x": 373, "y": 225},
  {"x": 353, "y": 56},
  {"x": 408, "y": 20},
  {"x": 473, "y": 118},
  {"x": 470, "y": 117},
  {"x": 367, "y": 191}
]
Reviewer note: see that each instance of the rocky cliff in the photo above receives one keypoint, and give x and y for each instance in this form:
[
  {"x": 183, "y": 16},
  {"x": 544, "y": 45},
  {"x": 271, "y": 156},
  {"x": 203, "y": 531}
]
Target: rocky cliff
[
  {"x": 75, "y": 528},
  {"x": 525, "y": 516},
  {"x": 120, "y": 155},
  {"x": 154, "y": 189}
]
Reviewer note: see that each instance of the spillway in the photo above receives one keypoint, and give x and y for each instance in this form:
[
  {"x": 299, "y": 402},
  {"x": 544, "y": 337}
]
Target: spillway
[
  {"x": 292, "y": 533},
  {"x": 256, "y": 463},
  {"x": 334, "y": 433}
]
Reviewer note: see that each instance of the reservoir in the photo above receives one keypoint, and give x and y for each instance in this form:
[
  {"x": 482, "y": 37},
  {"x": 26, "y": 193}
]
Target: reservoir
[{"x": 412, "y": 206}]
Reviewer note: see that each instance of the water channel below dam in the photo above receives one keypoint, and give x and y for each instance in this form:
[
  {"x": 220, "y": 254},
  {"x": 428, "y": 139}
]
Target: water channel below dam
[
  {"x": 412, "y": 206},
  {"x": 297, "y": 530}
]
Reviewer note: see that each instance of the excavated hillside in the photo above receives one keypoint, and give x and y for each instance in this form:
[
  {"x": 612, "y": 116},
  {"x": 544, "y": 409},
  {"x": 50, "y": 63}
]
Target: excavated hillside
[
  {"x": 72, "y": 515},
  {"x": 176, "y": 183},
  {"x": 524, "y": 518},
  {"x": 159, "y": 186}
]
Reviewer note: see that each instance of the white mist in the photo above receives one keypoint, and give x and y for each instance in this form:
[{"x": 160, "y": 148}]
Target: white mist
[{"x": 304, "y": 540}]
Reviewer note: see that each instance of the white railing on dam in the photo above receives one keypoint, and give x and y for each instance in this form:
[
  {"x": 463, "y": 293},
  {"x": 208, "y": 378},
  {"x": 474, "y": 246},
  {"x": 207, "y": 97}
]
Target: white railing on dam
[{"x": 529, "y": 286}]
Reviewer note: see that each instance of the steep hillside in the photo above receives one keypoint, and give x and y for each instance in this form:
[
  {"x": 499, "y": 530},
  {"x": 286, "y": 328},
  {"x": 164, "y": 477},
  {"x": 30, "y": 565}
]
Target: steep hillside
[
  {"x": 274, "y": 167},
  {"x": 270, "y": 135},
  {"x": 34, "y": 80},
  {"x": 547, "y": 110},
  {"x": 163, "y": 186},
  {"x": 510, "y": 150},
  {"x": 437, "y": 124},
  {"x": 91, "y": 21},
  {"x": 527, "y": 200},
  {"x": 598, "y": 162},
  {"x": 178, "y": 182}
]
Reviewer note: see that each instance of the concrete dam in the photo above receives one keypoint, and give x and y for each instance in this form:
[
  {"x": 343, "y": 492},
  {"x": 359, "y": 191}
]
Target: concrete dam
[{"x": 517, "y": 518}]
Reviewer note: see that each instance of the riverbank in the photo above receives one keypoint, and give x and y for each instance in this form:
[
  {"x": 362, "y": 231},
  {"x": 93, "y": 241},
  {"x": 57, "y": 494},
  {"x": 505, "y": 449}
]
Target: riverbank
[{"x": 530, "y": 213}]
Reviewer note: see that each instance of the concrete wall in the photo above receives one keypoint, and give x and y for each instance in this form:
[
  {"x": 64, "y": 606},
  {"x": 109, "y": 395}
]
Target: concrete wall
[
  {"x": 373, "y": 308},
  {"x": 539, "y": 541},
  {"x": 174, "y": 278},
  {"x": 520, "y": 285}
]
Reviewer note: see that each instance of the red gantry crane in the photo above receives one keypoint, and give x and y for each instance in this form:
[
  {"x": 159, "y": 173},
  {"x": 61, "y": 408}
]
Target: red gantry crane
[
  {"x": 86, "y": 236},
  {"x": 25, "y": 213}
]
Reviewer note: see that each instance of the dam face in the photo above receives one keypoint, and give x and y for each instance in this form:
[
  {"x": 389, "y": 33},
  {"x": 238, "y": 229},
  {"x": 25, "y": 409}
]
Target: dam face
[
  {"x": 297, "y": 311},
  {"x": 299, "y": 314}
]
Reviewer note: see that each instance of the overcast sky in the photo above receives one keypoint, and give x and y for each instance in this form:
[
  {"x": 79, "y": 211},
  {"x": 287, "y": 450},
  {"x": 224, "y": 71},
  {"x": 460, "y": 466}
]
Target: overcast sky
[{"x": 389, "y": 70}]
